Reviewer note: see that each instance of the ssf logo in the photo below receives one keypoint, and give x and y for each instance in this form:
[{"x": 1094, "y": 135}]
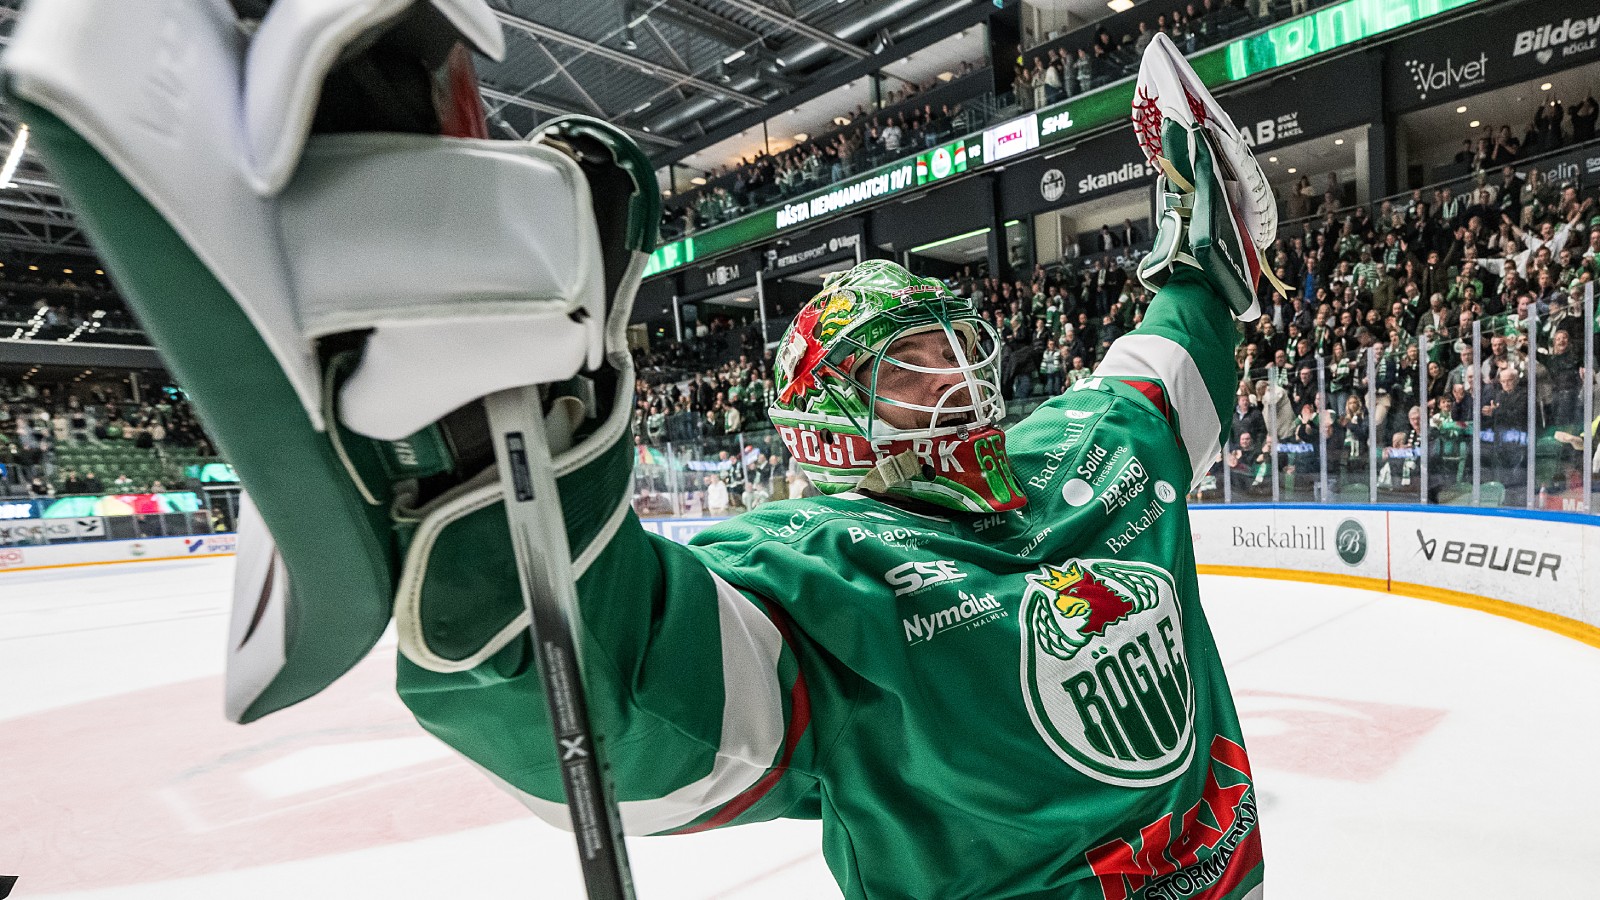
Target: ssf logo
[
  {"x": 1104, "y": 672},
  {"x": 910, "y": 577}
]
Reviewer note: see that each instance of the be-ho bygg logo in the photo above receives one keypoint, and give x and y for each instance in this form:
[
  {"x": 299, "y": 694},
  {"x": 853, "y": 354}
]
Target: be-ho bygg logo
[{"x": 1432, "y": 77}]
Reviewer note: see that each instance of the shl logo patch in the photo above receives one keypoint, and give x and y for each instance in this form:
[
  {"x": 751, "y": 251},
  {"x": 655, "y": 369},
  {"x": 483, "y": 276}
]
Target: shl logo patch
[{"x": 1104, "y": 671}]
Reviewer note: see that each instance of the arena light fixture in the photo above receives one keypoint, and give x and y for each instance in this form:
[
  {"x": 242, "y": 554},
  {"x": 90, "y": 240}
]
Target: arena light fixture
[
  {"x": 1461, "y": 109},
  {"x": 733, "y": 57},
  {"x": 1545, "y": 87},
  {"x": 1338, "y": 142},
  {"x": 1272, "y": 159},
  {"x": 698, "y": 181},
  {"x": 841, "y": 121},
  {"x": 1474, "y": 123},
  {"x": 1120, "y": 5},
  {"x": 1293, "y": 170},
  {"x": 643, "y": 106},
  {"x": 945, "y": 76},
  {"x": 949, "y": 240},
  {"x": 801, "y": 137}
]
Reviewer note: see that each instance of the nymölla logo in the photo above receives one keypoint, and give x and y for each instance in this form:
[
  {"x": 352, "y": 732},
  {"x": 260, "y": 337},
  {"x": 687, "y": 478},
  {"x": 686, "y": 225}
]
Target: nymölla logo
[{"x": 1434, "y": 77}]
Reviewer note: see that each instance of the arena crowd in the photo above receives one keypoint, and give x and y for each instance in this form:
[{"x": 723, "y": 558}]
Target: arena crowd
[{"x": 44, "y": 429}]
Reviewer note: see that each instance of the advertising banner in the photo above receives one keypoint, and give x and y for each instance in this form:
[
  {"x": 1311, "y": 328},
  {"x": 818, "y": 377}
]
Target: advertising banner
[
  {"x": 45, "y": 531},
  {"x": 1545, "y": 563},
  {"x": 14, "y": 559},
  {"x": 959, "y": 207},
  {"x": 1320, "y": 31},
  {"x": 679, "y": 530},
  {"x": 1311, "y": 103},
  {"x": 117, "y": 505},
  {"x": 1504, "y": 45},
  {"x": 1011, "y": 138},
  {"x": 1095, "y": 168},
  {"x": 730, "y": 273},
  {"x": 1320, "y": 100},
  {"x": 1332, "y": 541},
  {"x": 817, "y": 247},
  {"x": 1532, "y": 566},
  {"x": 942, "y": 162},
  {"x": 1547, "y": 567}
]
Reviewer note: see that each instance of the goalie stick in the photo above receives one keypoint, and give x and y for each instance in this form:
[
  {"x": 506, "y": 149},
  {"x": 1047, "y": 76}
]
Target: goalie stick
[{"x": 544, "y": 564}]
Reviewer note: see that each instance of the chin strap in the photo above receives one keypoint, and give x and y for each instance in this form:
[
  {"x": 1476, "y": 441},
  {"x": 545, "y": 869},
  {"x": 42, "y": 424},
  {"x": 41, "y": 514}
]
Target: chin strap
[{"x": 891, "y": 471}]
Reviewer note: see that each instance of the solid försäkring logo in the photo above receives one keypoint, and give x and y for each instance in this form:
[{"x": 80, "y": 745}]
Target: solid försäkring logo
[{"x": 1104, "y": 672}]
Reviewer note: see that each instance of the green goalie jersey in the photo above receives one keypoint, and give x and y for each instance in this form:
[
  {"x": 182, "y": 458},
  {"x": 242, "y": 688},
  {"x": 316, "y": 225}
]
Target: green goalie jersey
[{"x": 1024, "y": 704}]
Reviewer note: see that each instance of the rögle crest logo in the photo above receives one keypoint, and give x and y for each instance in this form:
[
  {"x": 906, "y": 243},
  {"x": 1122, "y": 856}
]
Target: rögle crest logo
[{"x": 1104, "y": 671}]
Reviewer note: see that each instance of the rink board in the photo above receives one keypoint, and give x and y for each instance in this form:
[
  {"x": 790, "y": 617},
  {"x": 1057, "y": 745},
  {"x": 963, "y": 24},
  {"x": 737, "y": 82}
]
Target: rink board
[
  {"x": 90, "y": 553},
  {"x": 1542, "y": 568},
  {"x": 1537, "y": 567}
]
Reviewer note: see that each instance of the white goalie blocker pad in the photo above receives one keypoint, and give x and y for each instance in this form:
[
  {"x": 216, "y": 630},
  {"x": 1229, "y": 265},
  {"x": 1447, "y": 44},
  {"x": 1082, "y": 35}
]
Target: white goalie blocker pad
[
  {"x": 470, "y": 264},
  {"x": 257, "y": 629}
]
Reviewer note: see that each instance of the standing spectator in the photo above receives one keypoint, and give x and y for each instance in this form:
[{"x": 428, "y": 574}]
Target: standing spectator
[
  {"x": 1050, "y": 369},
  {"x": 1583, "y": 119}
]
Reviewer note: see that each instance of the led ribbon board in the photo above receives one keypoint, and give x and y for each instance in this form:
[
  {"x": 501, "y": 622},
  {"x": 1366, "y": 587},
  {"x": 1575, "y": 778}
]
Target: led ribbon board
[{"x": 1281, "y": 45}]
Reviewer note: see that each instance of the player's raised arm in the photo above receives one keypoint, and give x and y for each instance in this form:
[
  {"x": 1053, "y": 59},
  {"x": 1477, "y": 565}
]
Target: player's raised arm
[{"x": 1217, "y": 212}]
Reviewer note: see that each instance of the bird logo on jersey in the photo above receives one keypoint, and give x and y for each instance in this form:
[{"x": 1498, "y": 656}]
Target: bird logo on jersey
[
  {"x": 1084, "y": 606},
  {"x": 1104, "y": 669}
]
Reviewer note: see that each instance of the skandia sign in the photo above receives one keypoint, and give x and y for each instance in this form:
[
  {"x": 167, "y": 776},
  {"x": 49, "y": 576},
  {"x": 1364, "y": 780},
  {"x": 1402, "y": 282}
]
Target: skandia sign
[
  {"x": 1130, "y": 171},
  {"x": 1566, "y": 38}
]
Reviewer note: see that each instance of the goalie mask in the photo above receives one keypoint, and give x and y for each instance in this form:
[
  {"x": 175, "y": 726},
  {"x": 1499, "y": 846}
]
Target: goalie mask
[{"x": 839, "y": 384}]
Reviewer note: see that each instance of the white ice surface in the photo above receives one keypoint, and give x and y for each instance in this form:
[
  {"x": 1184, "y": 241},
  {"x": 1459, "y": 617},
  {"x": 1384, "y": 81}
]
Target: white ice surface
[{"x": 1402, "y": 749}]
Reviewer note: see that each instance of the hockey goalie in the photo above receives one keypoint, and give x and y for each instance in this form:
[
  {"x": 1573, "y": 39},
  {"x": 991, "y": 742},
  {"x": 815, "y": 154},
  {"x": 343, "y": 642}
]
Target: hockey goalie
[{"x": 979, "y": 657}]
